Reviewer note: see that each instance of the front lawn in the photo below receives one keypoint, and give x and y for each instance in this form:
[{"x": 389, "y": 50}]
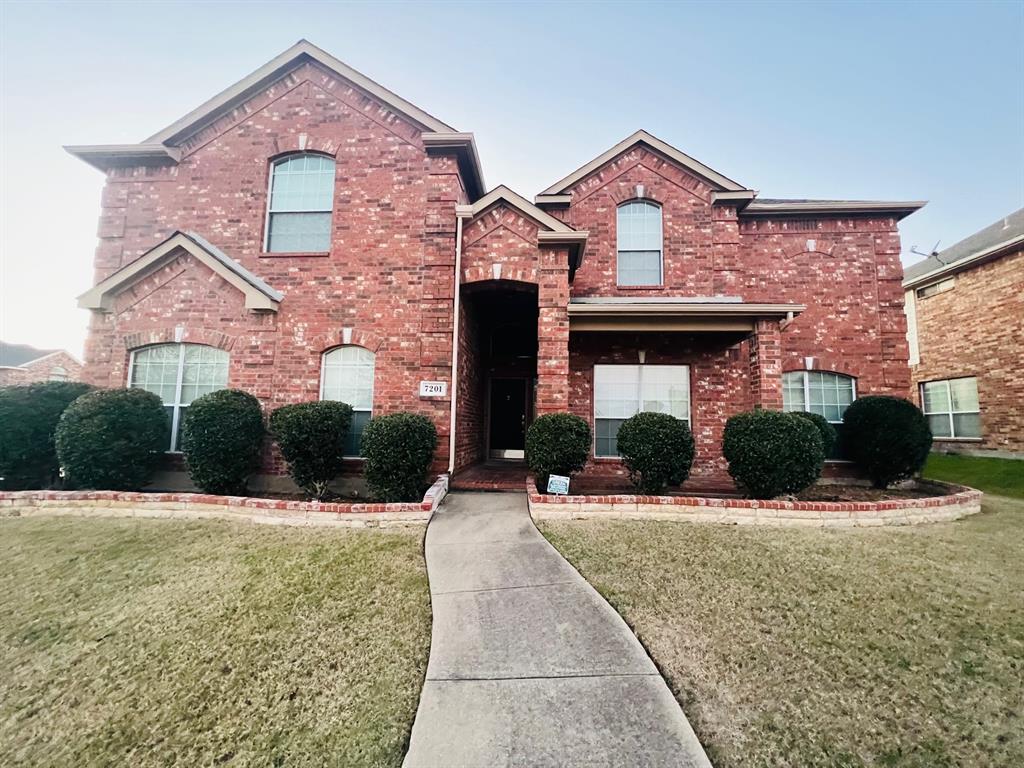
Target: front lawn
[
  {"x": 1004, "y": 477},
  {"x": 155, "y": 643},
  {"x": 792, "y": 647}
]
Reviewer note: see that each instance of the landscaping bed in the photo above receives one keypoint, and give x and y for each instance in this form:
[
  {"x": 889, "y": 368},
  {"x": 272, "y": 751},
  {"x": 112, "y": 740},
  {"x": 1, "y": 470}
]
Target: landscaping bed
[
  {"x": 158, "y": 642},
  {"x": 898, "y": 647}
]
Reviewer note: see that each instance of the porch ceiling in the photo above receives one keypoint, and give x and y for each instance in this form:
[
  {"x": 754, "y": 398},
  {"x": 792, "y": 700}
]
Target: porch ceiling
[{"x": 672, "y": 314}]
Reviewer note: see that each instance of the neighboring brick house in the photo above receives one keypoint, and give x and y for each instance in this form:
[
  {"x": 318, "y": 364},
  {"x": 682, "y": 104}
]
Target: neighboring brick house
[
  {"x": 965, "y": 312},
  {"x": 22, "y": 364},
  {"x": 302, "y": 234}
]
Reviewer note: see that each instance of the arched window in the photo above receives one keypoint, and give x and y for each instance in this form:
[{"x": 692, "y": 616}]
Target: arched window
[
  {"x": 301, "y": 203},
  {"x": 638, "y": 231},
  {"x": 826, "y": 394},
  {"x": 347, "y": 376},
  {"x": 178, "y": 374}
]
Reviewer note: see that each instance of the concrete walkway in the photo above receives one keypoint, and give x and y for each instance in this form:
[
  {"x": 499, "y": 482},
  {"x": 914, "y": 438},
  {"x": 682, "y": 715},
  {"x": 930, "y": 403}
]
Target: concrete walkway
[{"x": 529, "y": 666}]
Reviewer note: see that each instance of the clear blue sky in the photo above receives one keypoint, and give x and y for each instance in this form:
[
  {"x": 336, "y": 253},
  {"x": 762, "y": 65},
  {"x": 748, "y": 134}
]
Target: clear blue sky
[{"x": 860, "y": 100}]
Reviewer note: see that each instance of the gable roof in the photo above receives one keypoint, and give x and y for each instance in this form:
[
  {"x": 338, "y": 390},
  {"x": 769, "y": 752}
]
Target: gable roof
[
  {"x": 712, "y": 177},
  {"x": 258, "y": 295},
  {"x": 17, "y": 355},
  {"x": 161, "y": 146},
  {"x": 994, "y": 240}
]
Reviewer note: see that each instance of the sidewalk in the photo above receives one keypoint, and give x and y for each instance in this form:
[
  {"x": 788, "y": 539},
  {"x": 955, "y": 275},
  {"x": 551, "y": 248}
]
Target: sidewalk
[{"x": 529, "y": 666}]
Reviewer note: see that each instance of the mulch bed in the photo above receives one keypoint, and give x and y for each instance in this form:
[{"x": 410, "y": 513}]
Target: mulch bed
[{"x": 863, "y": 493}]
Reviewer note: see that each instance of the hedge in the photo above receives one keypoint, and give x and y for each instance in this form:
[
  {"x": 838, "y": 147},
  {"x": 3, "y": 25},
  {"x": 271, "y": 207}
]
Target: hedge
[
  {"x": 828, "y": 433},
  {"x": 657, "y": 449},
  {"x": 772, "y": 453},
  {"x": 398, "y": 450},
  {"x": 557, "y": 444},
  {"x": 311, "y": 437},
  {"x": 221, "y": 438},
  {"x": 888, "y": 437}
]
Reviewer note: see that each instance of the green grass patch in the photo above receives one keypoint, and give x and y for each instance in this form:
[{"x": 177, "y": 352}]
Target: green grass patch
[
  {"x": 1004, "y": 477},
  {"x": 897, "y": 647},
  {"x": 154, "y": 643}
]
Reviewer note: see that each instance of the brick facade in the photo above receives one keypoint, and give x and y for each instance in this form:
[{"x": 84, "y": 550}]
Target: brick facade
[
  {"x": 53, "y": 366},
  {"x": 387, "y": 282},
  {"x": 975, "y": 329}
]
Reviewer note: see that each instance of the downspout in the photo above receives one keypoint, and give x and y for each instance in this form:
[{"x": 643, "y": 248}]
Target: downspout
[{"x": 461, "y": 212}]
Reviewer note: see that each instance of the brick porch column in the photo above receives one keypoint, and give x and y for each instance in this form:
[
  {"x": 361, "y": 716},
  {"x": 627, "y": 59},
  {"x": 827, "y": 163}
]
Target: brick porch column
[
  {"x": 553, "y": 331},
  {"x": 766, "y": 365}
]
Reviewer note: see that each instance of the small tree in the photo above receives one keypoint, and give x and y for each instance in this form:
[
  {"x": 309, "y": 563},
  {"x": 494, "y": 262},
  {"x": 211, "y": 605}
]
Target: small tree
[
  {"x": 311, "y": 437},
  {"x": 557, "y": 444},
  {"x": 221, "y": 439},
  {"x": 112, "y": 439},
  {"x": 28, "y": 421},
  {"x": 888, "y": 437},
  {"x": 772, "y": 453},
  {"x": 829, "y": 436},
  {"x": 657, "y": 449},
  {"x": 397, "y": 450}
]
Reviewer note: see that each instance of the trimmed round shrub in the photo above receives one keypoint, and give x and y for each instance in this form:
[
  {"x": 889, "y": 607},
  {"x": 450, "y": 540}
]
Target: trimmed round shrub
[
  {"x": 113, "y": 439},
  {"x": 397, "y": 450},
  {"x": 829, "y": 436},
  {"x": 888, "y": 437},
  {"x": 557, "y": 444},
  {"x": 657, "y": 449},
  {"x": 772, "y": 453},
  {"x": 311, "y": 437},
  {"x": 221, "y": 438},
  {"x": 28, "y": 420}
]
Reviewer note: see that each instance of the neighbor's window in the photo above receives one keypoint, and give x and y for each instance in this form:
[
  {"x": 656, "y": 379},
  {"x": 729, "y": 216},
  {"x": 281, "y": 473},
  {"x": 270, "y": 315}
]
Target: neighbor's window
[
  {"x": 58, "y": 373},
  {"x": 638, "y": 229},
  {"x": 348, "y": 376},
  {"x": 952, "y": 408},
  {"x": 820, "y": 392},
  {"x": 178, "y": 374},
  {"x": 301, "y": 204},
  {"x": 940, "y": 287},
  {"x": 621, "y": 391}
]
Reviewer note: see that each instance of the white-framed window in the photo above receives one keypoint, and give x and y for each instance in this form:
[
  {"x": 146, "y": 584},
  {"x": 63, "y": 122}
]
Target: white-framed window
[
  {"x": 58, "y": 373},
  {"x": 178, "y": 374},
  {"x": 951, "y": 406},
  {"x": 940, "y": 287},
  {"x": 639, "y": 237},
  {"x": 347, "y": 375},
  {"x": 821, "y": 392},
  {"x": 301, "y": 204},
  {"x": 621, "y": 391}
]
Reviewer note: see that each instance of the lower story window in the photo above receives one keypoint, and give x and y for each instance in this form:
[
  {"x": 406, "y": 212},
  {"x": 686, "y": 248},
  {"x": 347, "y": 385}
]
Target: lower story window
[
  {"x": 348, "y": 376},
  {"x": 621, "y": 391},
  {"x": 826, "y": 394},
  {"x": 951, "y": 406},
  {"x": 178, "y": 374}
]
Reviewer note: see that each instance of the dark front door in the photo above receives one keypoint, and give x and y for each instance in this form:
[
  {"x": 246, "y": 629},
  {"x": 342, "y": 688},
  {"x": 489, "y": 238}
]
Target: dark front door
[{"x": 508, "y": 418}]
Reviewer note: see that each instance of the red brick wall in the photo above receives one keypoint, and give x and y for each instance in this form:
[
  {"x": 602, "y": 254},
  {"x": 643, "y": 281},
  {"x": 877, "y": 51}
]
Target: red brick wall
[
  {"x": 976, "y": 330},
  {"x": 388, "y": 276}
]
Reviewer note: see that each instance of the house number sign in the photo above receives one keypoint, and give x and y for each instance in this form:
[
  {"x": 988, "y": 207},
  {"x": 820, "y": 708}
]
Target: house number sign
[{"x": 433, "y": 388}]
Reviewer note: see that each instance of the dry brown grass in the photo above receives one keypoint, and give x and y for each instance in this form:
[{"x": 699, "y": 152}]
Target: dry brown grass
[
  {"x": 790, "y": 647},
  {"x": 154, "y": 643}
]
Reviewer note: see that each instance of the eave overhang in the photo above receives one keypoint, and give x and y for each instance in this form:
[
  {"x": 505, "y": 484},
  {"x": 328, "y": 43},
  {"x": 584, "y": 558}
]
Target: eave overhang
[
  {"x": 107, "y": 156},
  {"x": 781, "y": 208},
  {"x": 258, "y": 295},
  {"x": 988, "y": 254},
  {"x": 463, "y": 145},
  {"x": 673, "y": 314}
]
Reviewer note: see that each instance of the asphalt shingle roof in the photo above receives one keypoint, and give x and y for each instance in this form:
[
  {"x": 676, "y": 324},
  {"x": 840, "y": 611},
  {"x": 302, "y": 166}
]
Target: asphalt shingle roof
[
  {"x": 14, "y": 355},
  {"x": 1007, "y": 228}
]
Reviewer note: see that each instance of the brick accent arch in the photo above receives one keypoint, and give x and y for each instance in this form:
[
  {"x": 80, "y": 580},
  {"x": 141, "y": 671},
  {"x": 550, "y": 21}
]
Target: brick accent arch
[
  {"x": 822, "y": 364},
  {"x": 346, "y": 337},
  {"x": 505, "y": 273},
  {"x": 207, "y": 336},
  {"x": 300, "y": 142}
]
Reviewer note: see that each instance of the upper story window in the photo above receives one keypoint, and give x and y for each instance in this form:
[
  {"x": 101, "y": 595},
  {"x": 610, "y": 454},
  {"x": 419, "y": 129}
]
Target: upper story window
[
  {"x": 952, "y": 407},
  {"x": 638, "y": 230},
  {"x": 826, "y": 394},
  {"x": 178, "y": 374},
  {"x": 301, "y": 204},
  {"x": 940, "y": 287},
  {"x": 348, "y": 376},
  {"x": 621, "y": 391}
]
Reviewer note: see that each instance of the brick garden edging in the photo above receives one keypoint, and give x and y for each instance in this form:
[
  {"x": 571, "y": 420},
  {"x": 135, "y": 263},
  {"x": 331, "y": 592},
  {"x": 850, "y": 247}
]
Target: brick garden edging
[
  {"x": 960, "y": 501},
  {"x": 195, "y": 506}
]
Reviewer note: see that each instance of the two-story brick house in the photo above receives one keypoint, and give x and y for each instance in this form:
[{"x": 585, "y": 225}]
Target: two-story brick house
[{"x": 307, "y": 233}]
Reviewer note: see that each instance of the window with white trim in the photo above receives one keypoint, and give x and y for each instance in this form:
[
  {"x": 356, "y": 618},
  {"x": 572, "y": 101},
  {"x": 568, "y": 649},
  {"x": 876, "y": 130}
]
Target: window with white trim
[
  {"x": 951, "y": 406},
  {"x": 621, "y": 391},
  {"x": 347, "y": 375},
  {"x": 301, "y": 204},
  {"x": 639, "y": 236},
  {"x": 178, "y": 374},
  {"x": 821, "y": 392}
]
